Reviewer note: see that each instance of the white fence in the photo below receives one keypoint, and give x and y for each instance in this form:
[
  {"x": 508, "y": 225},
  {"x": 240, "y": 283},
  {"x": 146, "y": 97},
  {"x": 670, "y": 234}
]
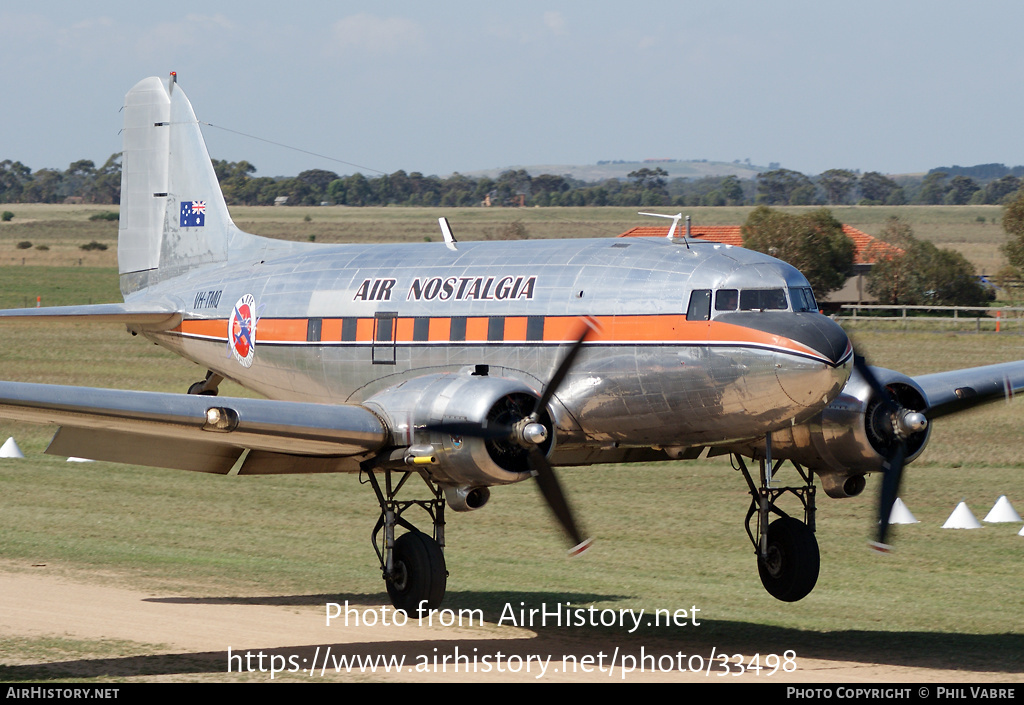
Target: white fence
[{"x": 997, "y": 319}]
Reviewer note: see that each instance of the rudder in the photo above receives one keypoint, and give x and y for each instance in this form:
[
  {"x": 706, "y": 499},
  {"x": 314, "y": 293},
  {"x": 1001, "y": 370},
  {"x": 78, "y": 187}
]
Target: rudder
[{"x": 173, "y": 214}]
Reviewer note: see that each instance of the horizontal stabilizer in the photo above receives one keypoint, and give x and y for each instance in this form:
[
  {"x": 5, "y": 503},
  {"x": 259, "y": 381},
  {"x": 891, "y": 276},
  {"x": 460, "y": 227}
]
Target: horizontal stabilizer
[
  {"x": 151, "y": 317},
  {"x": 193, "y": 432}
]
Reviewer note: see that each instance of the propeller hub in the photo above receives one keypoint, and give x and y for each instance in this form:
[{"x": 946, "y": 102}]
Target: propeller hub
[
  {"x": 534, "y": 433},
  {"x": 910, "y": 422}
]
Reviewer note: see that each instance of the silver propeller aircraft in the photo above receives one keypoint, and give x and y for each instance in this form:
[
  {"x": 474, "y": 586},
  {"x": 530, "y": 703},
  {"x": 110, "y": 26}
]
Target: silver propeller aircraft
[{"x": 453, "y": 367}]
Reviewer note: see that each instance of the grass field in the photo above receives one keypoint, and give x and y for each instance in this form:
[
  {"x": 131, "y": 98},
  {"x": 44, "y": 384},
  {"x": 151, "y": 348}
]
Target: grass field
[
  {"x": 668, "y": 535},
  {"x": 973, "y": 230}
]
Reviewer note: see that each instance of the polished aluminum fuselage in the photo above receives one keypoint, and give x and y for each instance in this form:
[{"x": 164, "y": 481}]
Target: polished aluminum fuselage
[{"x": 338, "y": 324}]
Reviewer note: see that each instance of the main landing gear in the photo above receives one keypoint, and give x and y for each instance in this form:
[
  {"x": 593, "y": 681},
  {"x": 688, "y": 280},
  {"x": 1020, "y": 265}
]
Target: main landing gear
[
  {"x": 787, "y": 552},
  {"x": 208, "y": 386},
  {"x": 412, "y": 565}
]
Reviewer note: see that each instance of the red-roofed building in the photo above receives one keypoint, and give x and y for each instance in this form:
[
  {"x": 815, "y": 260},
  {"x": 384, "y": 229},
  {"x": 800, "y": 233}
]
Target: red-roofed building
[{"x": 867, "y": 251}]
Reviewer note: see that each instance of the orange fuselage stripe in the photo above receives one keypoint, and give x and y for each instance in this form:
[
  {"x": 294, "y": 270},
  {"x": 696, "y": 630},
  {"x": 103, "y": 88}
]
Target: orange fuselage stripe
[{"x": 668, "y": 328}]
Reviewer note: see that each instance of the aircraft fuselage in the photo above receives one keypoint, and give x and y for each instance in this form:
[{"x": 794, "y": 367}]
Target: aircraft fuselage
[{"x": 337, "y": 324}]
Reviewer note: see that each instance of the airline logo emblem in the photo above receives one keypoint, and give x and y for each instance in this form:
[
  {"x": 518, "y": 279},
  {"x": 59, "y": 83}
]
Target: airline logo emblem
[
  {"x": 193, "y": 214},
  {"x": 242, "y": 330}
]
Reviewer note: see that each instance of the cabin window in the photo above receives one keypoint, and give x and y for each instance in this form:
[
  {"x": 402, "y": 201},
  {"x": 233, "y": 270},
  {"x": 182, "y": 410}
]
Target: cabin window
[
  {"x": 763, "y": 300},
  {"x": 700, "y": 305},
  {"x": 727, "y": 299}
]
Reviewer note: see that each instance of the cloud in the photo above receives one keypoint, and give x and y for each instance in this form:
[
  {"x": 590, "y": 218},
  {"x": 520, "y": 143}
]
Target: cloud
[
  {"x": 375, "y": 35},
  {"x": 555, "y": 22}
]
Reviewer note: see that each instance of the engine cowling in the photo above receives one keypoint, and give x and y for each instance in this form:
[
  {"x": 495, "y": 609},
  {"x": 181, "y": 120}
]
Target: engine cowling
[
  {"x": 854, "y": 434},
  {"x": 469, "y": 398}
]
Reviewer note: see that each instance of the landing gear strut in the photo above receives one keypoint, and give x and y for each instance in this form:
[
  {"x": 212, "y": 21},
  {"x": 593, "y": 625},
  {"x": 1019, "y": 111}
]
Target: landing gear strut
[
  {"x": 412, "y": 565},
  {"x": 208, "y": 386},
  {"x": 787, "y": 552}
]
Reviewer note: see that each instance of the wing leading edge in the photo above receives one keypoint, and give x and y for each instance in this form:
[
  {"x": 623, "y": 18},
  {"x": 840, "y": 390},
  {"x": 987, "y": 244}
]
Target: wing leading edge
[
  {"x": 192, "y": 432},
  {"x": 959, "y": 390}
]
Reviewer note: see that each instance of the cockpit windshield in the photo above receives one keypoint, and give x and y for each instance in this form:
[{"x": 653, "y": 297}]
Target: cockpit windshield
[
  {"x": 751, "y": 300},
  {"x": 763, "y": 300},
  {"x": 803, "y": 299},
  {"x": 725, "y": 300}
]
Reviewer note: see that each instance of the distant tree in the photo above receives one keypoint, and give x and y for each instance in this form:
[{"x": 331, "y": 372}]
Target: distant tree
[
  {"x": 782, "y": 187},
  {"x": 317, "y": 180},
  {"x": 357, "y": 190},
  {"x": 812, "y": 242},
  {"x": 106, "y": 183},
  {"x": 997, "y": 191},
  {"x": 732, "y": 191},
  {"x": 933, "y": 189},
  {"x": 961, "y": 188},
  {"x": 77, "y": 178},
  {"x": 43, "y": 187},
  {"x": 838, "y": 183},
  {"x": 923, "y": 274},
  {"x": 878, "y": 190},
  {"x": 649, "y": 179},
  {"x": 14, "y": 176},
  {"x": 236, "y": 182},
  {"x": 1013, "y": 224}
]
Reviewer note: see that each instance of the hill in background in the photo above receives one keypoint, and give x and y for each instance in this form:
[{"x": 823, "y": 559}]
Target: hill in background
[{"x": 618, "y": 169}]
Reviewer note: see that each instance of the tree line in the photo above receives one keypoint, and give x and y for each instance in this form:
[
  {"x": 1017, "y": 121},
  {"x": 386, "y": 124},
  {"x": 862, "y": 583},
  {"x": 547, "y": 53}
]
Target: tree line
[
  {"x": 916, "y": 274},
  {"x": 644, "y": 187}
]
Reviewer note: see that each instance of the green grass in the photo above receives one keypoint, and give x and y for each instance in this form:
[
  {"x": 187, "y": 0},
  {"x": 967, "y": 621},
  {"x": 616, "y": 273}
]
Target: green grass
[{"x": 667, "y": 535}]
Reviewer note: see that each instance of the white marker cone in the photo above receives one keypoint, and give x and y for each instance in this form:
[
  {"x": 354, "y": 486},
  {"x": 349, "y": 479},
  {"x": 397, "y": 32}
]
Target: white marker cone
[
  {"x": 1002, "y": 511},
  {"x": 1021, "y": 532},
  {"x": 900, "y": 514},
  {"x": 10, "y": 449},
  {"x": 962, "y": 518}
]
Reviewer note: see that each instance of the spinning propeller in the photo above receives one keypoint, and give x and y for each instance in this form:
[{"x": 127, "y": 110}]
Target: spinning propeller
[
  {"x": 529, "y": 433},
  {"x": 903, "y": 423}
]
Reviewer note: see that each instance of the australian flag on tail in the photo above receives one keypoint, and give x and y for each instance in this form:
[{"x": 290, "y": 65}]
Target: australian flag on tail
[{"x": 193, "y": 214}]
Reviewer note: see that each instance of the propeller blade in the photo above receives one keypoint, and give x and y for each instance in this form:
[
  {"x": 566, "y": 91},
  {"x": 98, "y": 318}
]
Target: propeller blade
[
  {"x": 551, "y": 489},
  {"x": 471, "y": 429},
  {"x": 887, "y": 497},
  {"x": 861, "y": 365},
  {"x": 894, "y": 463},
  {"x": 589, "y": 325}
]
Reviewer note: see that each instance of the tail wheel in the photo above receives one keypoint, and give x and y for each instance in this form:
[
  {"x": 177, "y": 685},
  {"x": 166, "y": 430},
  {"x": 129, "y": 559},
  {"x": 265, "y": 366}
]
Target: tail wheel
[
  {"x": 420, "y": 576},
  {"x": 789, "y": 570}
]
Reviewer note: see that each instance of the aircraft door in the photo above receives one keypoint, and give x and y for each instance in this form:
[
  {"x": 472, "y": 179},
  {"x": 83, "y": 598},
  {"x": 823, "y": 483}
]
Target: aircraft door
[{"x": 384, "y": 336}]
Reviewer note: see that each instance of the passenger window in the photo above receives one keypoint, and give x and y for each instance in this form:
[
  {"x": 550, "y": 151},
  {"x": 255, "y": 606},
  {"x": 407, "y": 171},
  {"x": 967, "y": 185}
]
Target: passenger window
[
  {"x": 727, "y": 299},
  {"x": 700, "y": 305}
]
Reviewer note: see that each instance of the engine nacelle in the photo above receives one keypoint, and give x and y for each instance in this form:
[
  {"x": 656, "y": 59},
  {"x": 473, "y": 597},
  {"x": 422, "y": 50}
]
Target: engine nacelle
[
  {"x": 853, "y": 435},
  {"x": 468, "y": 400}
]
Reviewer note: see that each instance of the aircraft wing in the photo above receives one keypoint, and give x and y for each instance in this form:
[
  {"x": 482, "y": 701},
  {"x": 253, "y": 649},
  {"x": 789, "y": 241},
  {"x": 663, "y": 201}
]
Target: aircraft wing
[
  {"x": 957, "y": 390},
  {"x": 152, "y": 316},
  {"x": 195, "y": 432}
]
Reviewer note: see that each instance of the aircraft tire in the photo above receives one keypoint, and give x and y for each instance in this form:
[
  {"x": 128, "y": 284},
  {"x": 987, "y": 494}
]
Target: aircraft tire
[
  {"x": 420, "y": 574},
  {"x": 791, "y": 569}
]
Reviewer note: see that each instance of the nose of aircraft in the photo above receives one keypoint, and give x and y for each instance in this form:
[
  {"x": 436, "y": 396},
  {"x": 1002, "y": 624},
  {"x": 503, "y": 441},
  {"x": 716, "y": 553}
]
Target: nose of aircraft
[
  {"x": 819, "y": 334},
  {"x": 821, "y": 359}
]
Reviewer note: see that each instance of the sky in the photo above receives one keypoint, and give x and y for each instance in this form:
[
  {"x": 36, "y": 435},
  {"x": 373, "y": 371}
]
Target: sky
[{"x": 898, "y": 86}]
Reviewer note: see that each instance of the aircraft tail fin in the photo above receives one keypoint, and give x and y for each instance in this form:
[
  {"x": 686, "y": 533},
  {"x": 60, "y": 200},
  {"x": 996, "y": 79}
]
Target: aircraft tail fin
[{"x": 173, "y": 214}]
